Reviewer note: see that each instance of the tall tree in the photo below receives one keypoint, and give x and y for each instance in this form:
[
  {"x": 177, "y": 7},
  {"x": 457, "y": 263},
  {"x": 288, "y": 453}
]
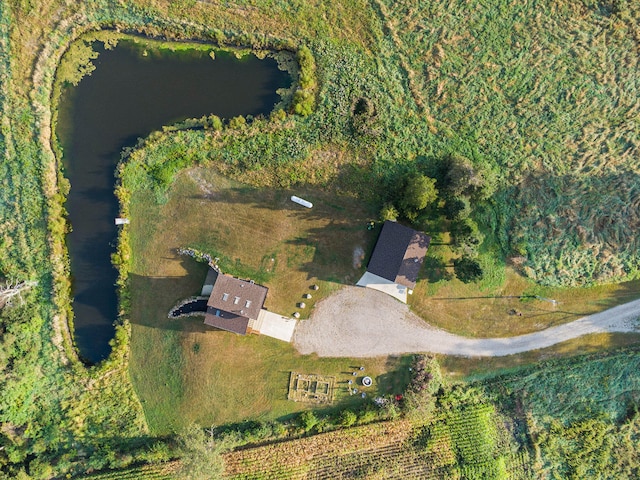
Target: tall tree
[
  {"x": 465, "y": 234},
  {"x": 463, "y": 178},
  {"x": 200, "y": 456}
]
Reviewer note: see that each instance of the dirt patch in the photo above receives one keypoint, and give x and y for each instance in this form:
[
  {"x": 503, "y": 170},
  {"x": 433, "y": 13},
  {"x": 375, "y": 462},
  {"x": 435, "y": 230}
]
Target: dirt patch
[
  {"x": 207, "y": 189},
  {"x": 358, "y": 257}
]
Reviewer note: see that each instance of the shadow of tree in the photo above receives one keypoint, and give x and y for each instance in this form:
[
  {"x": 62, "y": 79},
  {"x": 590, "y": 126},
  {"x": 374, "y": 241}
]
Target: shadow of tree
[
  {"x": 398, "y": 376},
  {"x": 434, "y": 269}
]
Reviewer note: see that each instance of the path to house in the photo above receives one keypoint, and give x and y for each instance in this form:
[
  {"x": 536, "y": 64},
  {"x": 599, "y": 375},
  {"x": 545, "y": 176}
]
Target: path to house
[{"x": 360, "y": 322}]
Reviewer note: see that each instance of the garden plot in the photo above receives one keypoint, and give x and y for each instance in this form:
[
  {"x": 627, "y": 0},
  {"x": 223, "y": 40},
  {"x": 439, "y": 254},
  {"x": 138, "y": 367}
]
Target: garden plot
[{"x": 311, "y": 388}]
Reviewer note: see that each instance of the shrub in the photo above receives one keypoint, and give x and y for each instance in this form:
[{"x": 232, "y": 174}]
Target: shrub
[
  {"x": 158, "y": 452},
  {"x": 418, "y": 192},
  {"x": 389, "y": 212},
  {"x": 40, "y": 469},
  {"x": 367, "y": 415},
  {"x": 364, "y": 117},
  {"x": 426, "y": 381},
  {"x": 462, "y": 177},
  {"x": 278, "y": 115},
  {"x": 215, "y": 123},
  {"x": 303, "y": 102},
  {"x": 200, "y": 458},
  {"x": 466, "y": 235},
  {"x": 456, "y": 208},
  {"x": 238, "y": 123},
  {"x": 307, "y": 421},
  {"x": 347, "y": 418},
  {"x": 426, "y": 375},
  {"x": 304, "y": 97}
]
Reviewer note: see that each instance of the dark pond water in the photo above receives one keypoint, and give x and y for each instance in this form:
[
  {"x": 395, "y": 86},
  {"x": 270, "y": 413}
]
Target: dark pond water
[
  {"x": 191, "y": 307},
  {"x": 128, "y": 96}
]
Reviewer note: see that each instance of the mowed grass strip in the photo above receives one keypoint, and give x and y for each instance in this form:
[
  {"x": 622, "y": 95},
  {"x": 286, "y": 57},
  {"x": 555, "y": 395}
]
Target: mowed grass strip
[
  {"x": 478, "y": 368},
  {"x": 508, "y": 307},
  {"x": 184, "y": 371}
]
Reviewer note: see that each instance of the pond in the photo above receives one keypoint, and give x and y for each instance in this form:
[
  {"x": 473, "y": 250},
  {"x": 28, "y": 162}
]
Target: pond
[{"x": 133, "y": 91}]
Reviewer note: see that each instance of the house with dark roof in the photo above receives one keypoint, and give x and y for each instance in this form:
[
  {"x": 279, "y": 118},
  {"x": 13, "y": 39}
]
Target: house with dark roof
[
  {"x": 396, "y": 260},
  {"x": 234, "y": 304}
]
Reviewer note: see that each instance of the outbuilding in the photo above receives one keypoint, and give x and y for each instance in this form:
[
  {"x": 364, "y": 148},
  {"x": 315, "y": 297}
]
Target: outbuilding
[{"x": 396, "y": 260}]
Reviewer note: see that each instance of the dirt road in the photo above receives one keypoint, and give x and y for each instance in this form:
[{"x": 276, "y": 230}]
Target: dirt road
[{"x": 360, "y": 322}]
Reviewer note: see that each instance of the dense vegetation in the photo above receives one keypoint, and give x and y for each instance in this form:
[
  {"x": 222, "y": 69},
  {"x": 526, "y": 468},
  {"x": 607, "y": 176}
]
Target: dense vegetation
[
  {"x": 580, "y": 417},
  {"x": 565, "y": 419},
  {"x": 540, "y": 95},
  {"x": 568, "y": 419}
]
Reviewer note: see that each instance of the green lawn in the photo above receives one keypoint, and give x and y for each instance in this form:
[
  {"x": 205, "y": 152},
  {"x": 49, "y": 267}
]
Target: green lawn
[
  {"x": 486, "y": 309},
  {"x": 184, "y": 371}
]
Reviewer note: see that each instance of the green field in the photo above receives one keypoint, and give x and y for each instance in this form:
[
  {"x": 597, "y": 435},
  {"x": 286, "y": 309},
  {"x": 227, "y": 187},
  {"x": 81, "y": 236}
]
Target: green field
[
  {"x": 541, "y": 96},
  {"x": 186, "y": 372}
]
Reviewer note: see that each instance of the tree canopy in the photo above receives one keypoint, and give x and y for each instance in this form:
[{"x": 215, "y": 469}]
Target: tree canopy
[
  {"x": 467, "y": 269},
  {"x": 419, "y": 191}
]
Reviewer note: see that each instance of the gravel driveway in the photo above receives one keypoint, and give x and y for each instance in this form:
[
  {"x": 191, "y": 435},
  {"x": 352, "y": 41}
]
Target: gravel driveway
[{"x": 360, "y": 322}]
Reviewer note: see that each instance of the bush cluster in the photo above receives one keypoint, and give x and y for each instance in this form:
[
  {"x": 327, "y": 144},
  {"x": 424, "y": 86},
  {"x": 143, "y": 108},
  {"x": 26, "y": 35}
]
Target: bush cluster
[
  {"x": 426, "y": 375},
  {"x": 443, "y": 195},
  {"x": 304, "y": 98},
  {"x": 426, "y": 381}
]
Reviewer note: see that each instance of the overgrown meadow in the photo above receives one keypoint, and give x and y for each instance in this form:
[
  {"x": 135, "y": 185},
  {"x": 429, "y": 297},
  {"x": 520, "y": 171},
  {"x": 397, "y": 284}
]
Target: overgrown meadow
[{"x": 542, "y": 94}]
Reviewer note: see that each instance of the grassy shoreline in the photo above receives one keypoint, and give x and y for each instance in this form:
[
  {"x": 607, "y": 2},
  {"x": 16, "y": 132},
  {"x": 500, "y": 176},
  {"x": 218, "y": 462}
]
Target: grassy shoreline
[{"x": 542, "y": 95}]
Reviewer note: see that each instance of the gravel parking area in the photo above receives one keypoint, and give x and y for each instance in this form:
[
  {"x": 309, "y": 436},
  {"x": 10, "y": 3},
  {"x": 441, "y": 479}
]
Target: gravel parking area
[{"x": 360, "y": 322}]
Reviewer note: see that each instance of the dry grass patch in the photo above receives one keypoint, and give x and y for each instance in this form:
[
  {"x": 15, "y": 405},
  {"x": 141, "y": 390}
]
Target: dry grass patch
[
  {"x": 259, "y": 232},
  {"x": 470, "y": 368},
  {"x": 184, "y": 371},
  {"x": 467, "y": 310}
]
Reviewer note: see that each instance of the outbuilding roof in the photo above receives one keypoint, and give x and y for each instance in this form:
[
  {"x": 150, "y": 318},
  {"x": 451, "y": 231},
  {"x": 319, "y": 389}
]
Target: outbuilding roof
[{"x": 399, "y": 254}]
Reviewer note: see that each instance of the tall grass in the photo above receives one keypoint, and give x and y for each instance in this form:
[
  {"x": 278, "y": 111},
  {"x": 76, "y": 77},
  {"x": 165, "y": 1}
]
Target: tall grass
[
  {"x": 579, "y": 415},
  {"x": 544, "y": 92},
  {"x": 547, "y": 92}
]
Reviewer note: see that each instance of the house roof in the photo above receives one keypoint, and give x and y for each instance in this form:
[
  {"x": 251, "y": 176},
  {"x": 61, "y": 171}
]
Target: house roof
[
  {"x": 399, "y": 254},
  {"x": 233, "y": 302},
  {"x": 226, "y": 321}
]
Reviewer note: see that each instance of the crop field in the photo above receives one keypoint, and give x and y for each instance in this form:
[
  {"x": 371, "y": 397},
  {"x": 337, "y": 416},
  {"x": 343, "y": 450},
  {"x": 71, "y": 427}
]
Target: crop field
[
  {"x": 163, "y": 471},
  {"x": 463, "y": 444},
  {"x": 541, "y": 94}
]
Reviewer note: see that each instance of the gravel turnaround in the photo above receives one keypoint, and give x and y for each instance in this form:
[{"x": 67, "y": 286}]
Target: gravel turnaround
[{"x": 361, "y": 322}]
